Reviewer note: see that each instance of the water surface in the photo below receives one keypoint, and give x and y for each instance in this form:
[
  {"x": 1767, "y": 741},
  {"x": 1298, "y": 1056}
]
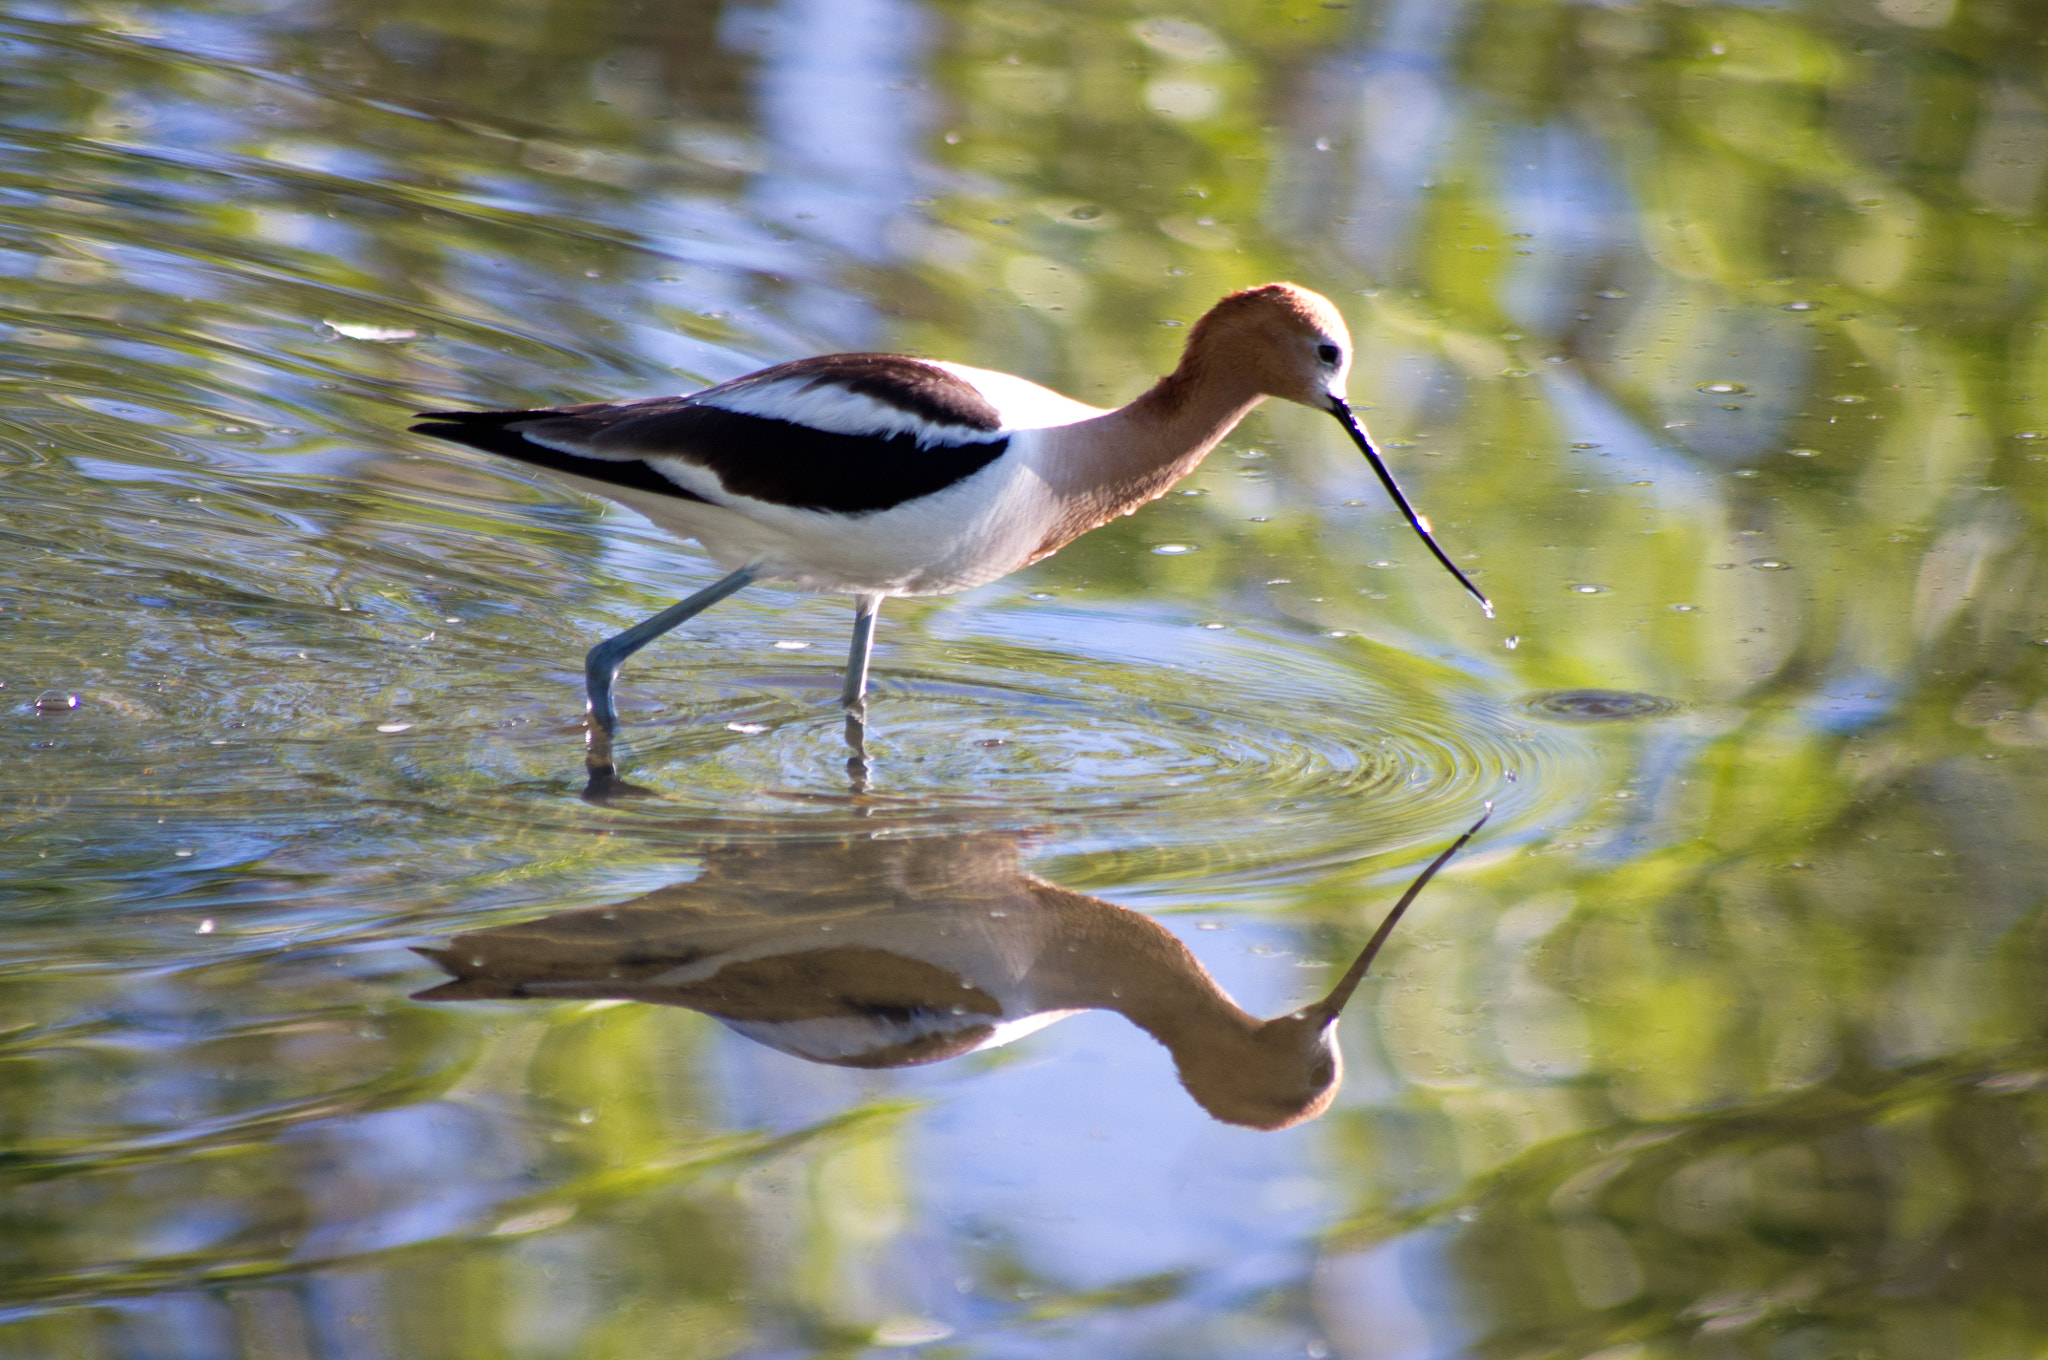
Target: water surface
[{"x": 1710, "y": 337}]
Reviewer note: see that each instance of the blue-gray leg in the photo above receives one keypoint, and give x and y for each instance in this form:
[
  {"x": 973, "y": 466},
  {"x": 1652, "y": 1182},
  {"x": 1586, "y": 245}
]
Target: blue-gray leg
[
  {"x": 854, "y": 696},
  {"x": 865, "y": 607},
  {"x": 601, "y": 667}
]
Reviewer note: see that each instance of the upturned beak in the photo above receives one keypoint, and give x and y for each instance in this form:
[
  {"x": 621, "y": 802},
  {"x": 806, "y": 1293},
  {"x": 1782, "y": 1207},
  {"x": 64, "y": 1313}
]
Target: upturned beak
[
  {"x": 1342, "y": 410},
  {"x": 1331, "y": 1006}
]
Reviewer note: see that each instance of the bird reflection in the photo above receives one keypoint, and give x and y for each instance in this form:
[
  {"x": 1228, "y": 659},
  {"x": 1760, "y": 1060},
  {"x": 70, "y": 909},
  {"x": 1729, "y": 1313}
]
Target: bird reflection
[{"x": 891, "y": 952}]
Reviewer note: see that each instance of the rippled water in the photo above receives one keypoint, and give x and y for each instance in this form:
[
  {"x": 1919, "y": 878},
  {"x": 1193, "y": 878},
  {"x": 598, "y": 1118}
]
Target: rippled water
[{"x": 1709, "y": 338}]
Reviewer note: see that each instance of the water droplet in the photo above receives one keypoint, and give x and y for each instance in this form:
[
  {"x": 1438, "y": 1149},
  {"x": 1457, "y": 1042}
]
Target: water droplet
[
  {"x": 1588, "y": 588},
  {"x": 1769, "y": 564},
  {"x": 791, "y": 646},
  {"x": 1174, "y": 549},
  {"x": 1721, "y": 389}
]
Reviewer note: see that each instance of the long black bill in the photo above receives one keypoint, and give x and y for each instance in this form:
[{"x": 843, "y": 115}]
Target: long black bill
[
  {"x": 1342, "y": 410},
  {"x": 1333, "y": 1004}
]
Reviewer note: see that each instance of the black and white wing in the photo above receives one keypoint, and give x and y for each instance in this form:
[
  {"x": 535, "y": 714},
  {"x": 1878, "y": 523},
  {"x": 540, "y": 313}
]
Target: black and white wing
[{"x": 842, "y": 433}]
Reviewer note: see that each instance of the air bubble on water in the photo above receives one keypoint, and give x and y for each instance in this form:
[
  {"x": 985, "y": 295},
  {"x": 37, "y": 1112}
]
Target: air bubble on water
[
  {"x": 1769, "y": 564},
  {"x": 787, "y": 646},
  {"x": 1588, "y": 588},
  {"x": 1174, "y": 549},
  {"x": 1720, "y": 389},
  {"x": 747, "y": 729},
  {"x": 394, "y": 727}
]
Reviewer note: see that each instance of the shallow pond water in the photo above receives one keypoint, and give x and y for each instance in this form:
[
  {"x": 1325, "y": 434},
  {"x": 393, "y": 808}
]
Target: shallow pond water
[{"x": 1713, "y": 339}]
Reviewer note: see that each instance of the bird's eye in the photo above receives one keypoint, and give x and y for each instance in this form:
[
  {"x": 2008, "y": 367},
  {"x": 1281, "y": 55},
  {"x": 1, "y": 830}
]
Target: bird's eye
[{"x": 1329, "y": 354}]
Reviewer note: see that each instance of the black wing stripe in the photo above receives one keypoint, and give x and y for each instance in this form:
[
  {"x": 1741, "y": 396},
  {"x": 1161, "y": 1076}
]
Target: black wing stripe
[
  {"x": 783, "y": 463},
  {"x": 774, "y": 461},
  {"x": 490, "y": 435}
]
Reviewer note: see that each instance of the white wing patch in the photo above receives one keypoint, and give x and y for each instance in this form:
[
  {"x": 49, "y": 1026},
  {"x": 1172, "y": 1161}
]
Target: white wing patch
[
  {"x": 825, "y": 405},
  {"x": 1023, "y": 404}
]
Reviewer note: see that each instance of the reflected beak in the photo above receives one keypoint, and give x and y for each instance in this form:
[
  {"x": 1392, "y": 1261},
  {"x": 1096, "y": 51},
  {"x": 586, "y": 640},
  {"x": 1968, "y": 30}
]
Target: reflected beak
[
  {"x": 1342, "y": 410},
  {"x": 1331, "y": 1006}
]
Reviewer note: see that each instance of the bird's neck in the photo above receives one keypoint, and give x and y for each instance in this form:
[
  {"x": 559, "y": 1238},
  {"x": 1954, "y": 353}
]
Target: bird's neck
[
  {"x": 1110, "y": 466},
  {"x": 1103, "y": 957}
]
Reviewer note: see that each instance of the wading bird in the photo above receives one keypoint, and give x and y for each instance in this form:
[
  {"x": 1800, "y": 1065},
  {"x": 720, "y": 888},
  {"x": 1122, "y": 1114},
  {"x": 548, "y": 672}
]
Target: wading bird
[{"x": 874, "y": 475}]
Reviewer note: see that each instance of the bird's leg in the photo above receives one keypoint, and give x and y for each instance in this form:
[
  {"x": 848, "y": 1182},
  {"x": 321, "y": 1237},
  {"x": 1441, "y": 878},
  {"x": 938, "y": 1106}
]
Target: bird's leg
[
  {"x": 857, "y": 752},
  {"x": 601, "y": 667},
  {"x": 854, "y": 696}
]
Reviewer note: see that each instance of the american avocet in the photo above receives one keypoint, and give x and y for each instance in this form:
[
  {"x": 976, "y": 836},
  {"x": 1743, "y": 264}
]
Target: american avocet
[
  {"x": 875, "y": 475},
  {"x": 898, "y": 950}
]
